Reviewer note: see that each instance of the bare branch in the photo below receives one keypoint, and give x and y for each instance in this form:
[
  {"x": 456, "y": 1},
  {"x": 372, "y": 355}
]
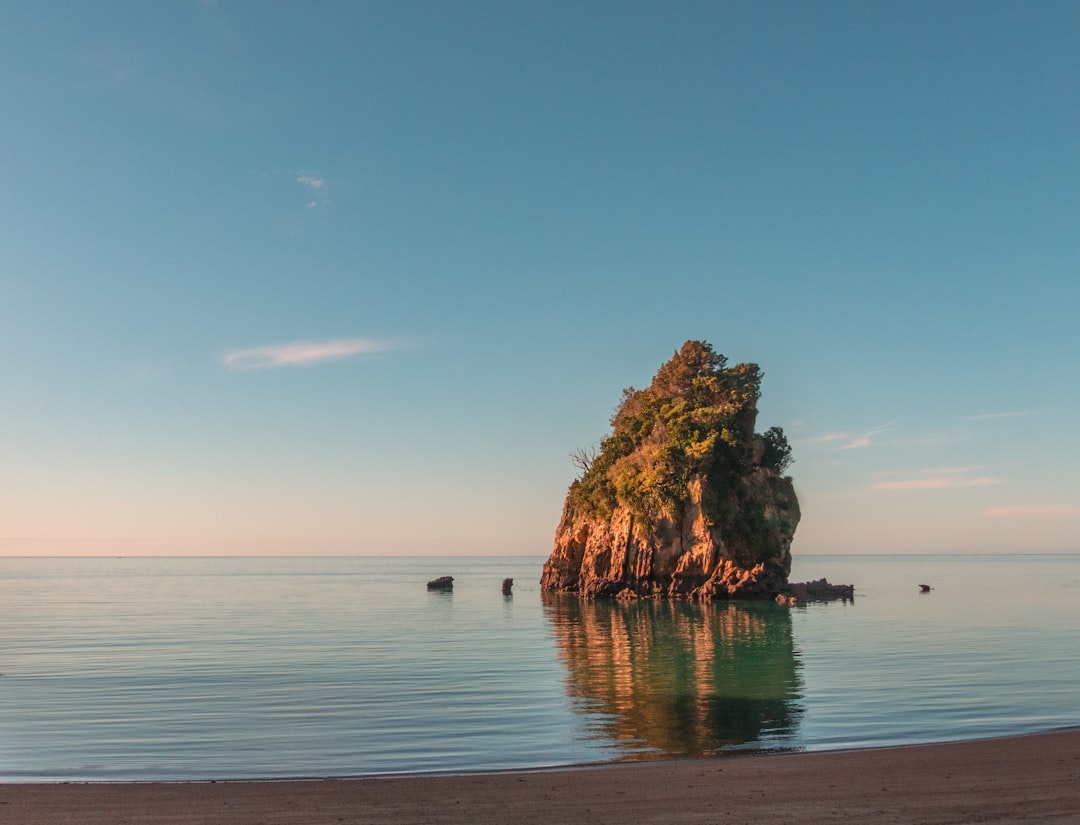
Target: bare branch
[{"x": 583, "y": 458}]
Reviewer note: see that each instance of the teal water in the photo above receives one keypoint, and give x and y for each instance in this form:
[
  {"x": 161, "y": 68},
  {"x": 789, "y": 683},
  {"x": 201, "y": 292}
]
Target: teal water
[{"x": 200, "y": 668}]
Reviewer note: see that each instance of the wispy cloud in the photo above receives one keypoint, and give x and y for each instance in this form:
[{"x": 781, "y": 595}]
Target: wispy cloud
[
  {"x": 315, "y": 189},
  {"x": 300, "y": 353},
  {"x": 937, "y": 439},
  {"x": 828, "y": 437},
  {"x": 993, "y": 416},
  {"x": 859, "y": 442},
  {"x": 1044, "y": 512},
  {"x": 312, "y": 182},
  {"x": 316, "y": 185},
  {"x": 851, "y": 440},
  {"x": 939, "y": 478},
  {"x": 937, "y": 483}
]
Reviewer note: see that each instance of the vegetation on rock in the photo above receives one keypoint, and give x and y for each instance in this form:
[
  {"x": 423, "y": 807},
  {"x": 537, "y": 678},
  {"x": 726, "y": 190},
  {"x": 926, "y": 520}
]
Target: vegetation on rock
[{"x": 695, "y": 419}]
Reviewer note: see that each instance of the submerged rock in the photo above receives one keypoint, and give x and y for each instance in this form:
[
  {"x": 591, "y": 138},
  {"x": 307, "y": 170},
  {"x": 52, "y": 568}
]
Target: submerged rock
[
  {"x": 441, "y": 583},
  {"x": 682, "y": 498}
]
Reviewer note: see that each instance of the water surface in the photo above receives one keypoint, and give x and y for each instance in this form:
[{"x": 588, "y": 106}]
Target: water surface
[{"x": 235, "y": 667}]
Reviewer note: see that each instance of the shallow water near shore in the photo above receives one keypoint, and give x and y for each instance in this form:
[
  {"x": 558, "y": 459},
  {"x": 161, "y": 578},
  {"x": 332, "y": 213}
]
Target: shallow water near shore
[{"x": 200, "y": 668}]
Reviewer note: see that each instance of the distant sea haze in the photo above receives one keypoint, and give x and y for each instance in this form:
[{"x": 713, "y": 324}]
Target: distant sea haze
[{"x": 214, "y": 668}]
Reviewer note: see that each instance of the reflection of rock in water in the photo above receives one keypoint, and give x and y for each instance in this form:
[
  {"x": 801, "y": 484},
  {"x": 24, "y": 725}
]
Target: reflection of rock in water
[{"x": 677, "y": 677}]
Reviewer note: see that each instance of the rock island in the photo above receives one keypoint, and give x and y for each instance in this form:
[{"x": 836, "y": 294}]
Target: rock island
[{"x": 683, "y": 498}]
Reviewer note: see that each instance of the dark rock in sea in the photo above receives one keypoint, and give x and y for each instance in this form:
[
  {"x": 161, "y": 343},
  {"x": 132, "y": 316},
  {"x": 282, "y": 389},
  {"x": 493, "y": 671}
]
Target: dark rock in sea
[
  {"x": 683, "y": 498},
  {"x": 442, "y": 583},
  {"x": 815, "y": 591},
  {"x": 507, "y": 586},
  {"x": 925, "y": 588}
]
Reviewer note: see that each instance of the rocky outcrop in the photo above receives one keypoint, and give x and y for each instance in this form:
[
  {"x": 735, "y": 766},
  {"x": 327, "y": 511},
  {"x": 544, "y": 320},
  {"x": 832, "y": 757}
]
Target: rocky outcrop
[
  {"x": 683, "y": 499},
  {"x": 704, "y": 552},
  {"x": 443, "y": 583},
  {"x": 815, "y": 591}
]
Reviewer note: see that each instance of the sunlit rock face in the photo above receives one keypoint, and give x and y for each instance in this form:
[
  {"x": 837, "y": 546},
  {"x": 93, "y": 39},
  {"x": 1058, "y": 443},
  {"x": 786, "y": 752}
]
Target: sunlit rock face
[
  {"x": 683, "y": 498},
  {"x": 703, "y": 552}
]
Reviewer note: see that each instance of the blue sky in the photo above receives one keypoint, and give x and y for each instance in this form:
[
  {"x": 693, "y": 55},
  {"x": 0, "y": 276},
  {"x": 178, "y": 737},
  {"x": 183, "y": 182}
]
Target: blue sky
[{"x": 347, "y": 277}]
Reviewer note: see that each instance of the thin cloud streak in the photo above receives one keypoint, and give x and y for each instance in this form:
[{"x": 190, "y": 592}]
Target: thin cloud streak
[
  {"x": 1044, "y": 512},
  {"x": 939, "y": 438},
  {"x": 852, "y": 441},
  {"x": 937, "y": 483},
  {"x": 859, "y": 442},
  {"x": 827, "y": 438},
  {"x": 993, "y": 416},
  {"x": 302, "y": 353}
]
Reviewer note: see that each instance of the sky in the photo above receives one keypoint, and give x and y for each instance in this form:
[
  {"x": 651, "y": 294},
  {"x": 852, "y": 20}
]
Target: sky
[{"x": 356, "y": 277}]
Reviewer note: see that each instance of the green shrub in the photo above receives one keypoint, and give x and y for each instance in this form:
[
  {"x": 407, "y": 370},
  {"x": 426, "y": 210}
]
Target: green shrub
[{"x": 696, "y": 417}]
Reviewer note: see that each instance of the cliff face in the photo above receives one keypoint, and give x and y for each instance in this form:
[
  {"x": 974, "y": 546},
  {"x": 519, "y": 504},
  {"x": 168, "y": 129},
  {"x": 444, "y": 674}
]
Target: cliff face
[
  {"x": 704, "y": 552},
  {"x": 707, "y": 516}
]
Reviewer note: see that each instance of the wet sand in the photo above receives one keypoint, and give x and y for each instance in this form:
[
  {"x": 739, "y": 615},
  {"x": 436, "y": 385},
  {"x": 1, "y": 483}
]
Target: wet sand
[{"x": 1021, "y": 779}]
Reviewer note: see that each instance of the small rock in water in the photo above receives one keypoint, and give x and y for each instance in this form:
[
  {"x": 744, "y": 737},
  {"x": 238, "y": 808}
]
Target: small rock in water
[
  {"x": 815, "y": 591},
  {"x": 507, "y": 586},
  {"x": 925, "y": 588},
  {"x": 441, "y": 583}
]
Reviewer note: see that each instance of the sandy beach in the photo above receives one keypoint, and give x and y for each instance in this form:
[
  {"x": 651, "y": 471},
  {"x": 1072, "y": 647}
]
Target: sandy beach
[{"x": 1019, "y": 779}]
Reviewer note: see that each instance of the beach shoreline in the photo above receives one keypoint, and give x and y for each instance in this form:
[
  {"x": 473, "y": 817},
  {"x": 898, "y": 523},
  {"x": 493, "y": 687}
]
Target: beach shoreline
[{"x": 1029, "y": 778}]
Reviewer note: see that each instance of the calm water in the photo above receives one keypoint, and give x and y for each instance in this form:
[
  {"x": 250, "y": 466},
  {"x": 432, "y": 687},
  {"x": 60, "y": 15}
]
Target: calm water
[{"x": 224, "y": 668}]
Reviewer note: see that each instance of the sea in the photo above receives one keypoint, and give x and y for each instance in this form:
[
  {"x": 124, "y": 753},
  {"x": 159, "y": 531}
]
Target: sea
[{"x": 228, "y": 668}]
